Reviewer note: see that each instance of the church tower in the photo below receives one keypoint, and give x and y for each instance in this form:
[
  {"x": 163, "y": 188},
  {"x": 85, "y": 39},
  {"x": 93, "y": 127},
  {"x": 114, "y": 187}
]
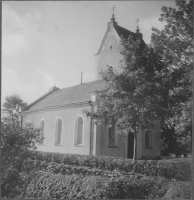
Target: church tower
[{"x": 109, "y": 51}]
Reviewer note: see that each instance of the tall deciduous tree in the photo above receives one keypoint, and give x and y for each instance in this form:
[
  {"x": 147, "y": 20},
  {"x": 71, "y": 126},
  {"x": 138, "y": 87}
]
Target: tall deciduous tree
[
  {"x": 175, "y": 44},
  {"x": 175, "y": 41},
  {"x": 135, "y": 98},
  {"x": 16, "y": 143}
]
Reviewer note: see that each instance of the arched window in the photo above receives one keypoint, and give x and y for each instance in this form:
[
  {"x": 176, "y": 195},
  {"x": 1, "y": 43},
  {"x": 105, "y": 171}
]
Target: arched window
[
  {"x": 42, "y": 132},
  {"x": 148, "y": 140},
  {"x": 58, "y": 132},
  {"x": 78, "y": 131}
]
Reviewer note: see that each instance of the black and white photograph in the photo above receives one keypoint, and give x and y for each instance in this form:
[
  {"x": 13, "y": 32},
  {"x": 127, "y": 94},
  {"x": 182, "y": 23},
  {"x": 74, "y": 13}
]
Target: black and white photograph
[{"x": 96, "y": 99}]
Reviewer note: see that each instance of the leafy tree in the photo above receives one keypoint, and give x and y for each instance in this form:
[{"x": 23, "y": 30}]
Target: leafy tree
[
  {"x": 175, "y": 41},
  {"x": 11, "y": 102},
  {"x": 16, "y": 144},
  {"x": 175, "y": 44},
  {"x": 176, "y": 136},
  {"x": 135, "y": 98}
]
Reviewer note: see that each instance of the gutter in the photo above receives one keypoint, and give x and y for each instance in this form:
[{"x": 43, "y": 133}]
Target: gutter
[{"x": 91, "y": 128}]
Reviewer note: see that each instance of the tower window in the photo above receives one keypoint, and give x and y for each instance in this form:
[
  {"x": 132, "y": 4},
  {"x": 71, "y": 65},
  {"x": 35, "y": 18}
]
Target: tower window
[{"x": 110, "y": 46}]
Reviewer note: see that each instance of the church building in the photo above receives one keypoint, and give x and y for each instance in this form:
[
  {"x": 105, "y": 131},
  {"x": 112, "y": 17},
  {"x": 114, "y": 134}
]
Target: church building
[{"x": 66, "y": 129}]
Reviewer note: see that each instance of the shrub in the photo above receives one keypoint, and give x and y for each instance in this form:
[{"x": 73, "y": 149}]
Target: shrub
[
  {"x": 57, "y": 186},
  {"x": 179, "y": 190},
  {"x": 48, "y": 185},
  {"x": 64, "y": 169},
  {"x": 173, "y": 168}
]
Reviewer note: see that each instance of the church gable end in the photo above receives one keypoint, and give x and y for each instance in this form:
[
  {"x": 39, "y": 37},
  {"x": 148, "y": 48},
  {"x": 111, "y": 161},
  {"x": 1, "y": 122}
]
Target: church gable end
[{"x": 109, "y": 51}]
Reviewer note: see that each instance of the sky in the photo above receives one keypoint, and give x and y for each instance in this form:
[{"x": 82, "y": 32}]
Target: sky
[{"x": 47, "y": 43}]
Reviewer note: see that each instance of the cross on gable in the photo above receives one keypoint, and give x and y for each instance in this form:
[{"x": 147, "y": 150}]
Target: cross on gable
[
  {"x": 137, "y": 20},
  {"x": 113, "y": 16},
  {"x": 113, "y": 8}
]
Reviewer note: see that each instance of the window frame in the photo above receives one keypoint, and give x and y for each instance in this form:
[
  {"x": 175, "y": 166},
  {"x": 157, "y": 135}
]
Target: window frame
[
  {"x": 76, "y": 144},
  {"x": 56, "y": 131}
]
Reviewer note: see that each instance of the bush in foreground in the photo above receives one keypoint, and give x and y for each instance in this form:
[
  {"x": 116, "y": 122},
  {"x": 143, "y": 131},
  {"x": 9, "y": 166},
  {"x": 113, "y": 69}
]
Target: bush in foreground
[
  {"x": 57, "y": 186},
  {"x": 174, "y": 168},
  {"x": 16, "y": 144},
  {"x": 179, "y": 190}
]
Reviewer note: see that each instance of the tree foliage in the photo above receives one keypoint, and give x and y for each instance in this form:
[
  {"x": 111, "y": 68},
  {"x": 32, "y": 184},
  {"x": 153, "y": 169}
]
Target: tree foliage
[
  {"x": 175, "y": 41},
  {"x": 175, "y": 44},
  {"x": 13, "y": 100},
  {"x": 16, "y": 143}
]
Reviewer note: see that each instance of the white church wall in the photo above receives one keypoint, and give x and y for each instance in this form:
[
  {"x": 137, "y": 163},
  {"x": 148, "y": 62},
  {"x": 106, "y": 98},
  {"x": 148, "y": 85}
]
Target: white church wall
[{"x": 68, "y": 117}]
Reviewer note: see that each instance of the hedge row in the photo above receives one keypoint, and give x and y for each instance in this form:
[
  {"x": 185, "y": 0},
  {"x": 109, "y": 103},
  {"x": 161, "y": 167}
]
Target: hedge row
[
  {"x": 70, "y": 169},
  {"x": 174, "y": 168},
  {"x": 58, "y": 186}
]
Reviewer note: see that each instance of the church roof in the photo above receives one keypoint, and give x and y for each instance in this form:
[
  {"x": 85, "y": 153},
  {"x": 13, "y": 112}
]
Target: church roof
[
  {"x": 74, "y": 94},
  {"x": 123, "y": 32}
]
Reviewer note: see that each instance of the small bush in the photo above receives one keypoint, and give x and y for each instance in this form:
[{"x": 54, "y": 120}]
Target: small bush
[
  {"x": 179, "y": 190},
  {"x": 174, "y": 168}
]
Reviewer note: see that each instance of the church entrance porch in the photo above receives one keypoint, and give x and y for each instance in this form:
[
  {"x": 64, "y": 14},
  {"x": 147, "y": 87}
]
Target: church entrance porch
[{"x": 130, "y": 144}]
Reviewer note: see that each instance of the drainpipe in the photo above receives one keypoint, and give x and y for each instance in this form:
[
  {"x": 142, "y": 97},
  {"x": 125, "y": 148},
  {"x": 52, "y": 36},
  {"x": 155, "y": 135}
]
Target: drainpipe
[{"x": 91, "y": 128}]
